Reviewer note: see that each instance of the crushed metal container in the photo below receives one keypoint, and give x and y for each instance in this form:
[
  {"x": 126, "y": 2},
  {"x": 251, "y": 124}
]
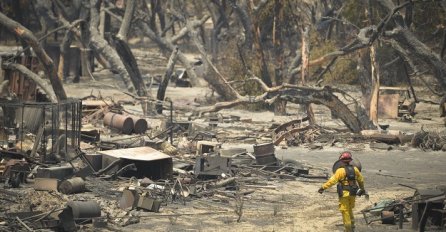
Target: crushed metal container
[
  {"x": 57, "y": 172},
  {"x": 264, "y": 154},
  {"x": 207, "y": 147},
  {"x": 212, "y": 166},
  {"x": 149, "y": 162}
]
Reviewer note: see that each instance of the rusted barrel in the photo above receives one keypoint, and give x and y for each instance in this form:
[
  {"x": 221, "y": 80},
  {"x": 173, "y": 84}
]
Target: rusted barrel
[
  {"x": 140, "y": 125},
  {"x": 387, "y": 217},
  {"x": 118, "y": 121},
  {"x": 85, "y": 209},
  {"x": 70, "y": 186}
]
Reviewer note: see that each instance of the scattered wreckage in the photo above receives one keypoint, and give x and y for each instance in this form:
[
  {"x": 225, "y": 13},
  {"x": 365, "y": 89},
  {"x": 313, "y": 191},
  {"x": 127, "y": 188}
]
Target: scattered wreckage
[
  {"x": 43, "y": 152},
  {"x": 426, "y": 209},
  {"x": 76, "y": 147}
]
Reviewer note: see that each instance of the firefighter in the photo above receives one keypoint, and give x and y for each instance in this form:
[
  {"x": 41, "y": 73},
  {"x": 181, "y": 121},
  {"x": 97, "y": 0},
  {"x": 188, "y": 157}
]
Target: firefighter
[{"x": 350, "y": 183}]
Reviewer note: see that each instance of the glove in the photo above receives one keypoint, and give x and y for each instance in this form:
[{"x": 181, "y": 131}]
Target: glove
[
  {"x": 361, "y": 192},
  {"x": 321, "y": 190}
]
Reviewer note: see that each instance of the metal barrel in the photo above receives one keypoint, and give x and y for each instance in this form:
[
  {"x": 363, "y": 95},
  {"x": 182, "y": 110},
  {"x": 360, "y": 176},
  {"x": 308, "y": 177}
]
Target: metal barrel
[
  {"x": 85, "y": 209},
  {"x": 118, "y": 121},
  {"x": 140, "y": 125},
  {"x": 70, "y": 186},
  {"x": 387, "y": 217}
]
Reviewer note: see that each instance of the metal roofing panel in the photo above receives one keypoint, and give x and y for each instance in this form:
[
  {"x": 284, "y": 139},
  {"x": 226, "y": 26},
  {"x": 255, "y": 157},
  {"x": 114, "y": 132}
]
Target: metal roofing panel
[{"x": 136, "y": 153}]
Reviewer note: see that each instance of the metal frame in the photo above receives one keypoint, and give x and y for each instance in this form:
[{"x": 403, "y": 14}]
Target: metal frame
[{"x": 60, "y": 122}]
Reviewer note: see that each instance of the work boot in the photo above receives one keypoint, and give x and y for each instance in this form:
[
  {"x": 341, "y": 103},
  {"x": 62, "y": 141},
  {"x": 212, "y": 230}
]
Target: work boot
[{"x": 348, "y": 228}]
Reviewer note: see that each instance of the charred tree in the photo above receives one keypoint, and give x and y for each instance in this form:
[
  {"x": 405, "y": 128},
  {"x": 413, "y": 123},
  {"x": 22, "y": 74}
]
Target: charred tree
[
  {"x": 128, "y": 15},
  {"x": 163, "y": 85},
  {"x": 131, "y": 66},
  {"x": 306, "y": 68},
  {"x": 102, "y": 47}
]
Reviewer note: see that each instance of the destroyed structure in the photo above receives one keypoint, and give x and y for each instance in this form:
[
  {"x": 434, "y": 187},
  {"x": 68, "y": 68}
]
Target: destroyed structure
[{"x": 71, "y": 162}]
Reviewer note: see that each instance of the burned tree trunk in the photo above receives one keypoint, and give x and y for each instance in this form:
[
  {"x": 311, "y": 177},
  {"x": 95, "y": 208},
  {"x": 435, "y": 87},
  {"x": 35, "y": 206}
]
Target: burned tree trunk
[
  {"x": 64, "y": 55},
  {"x": 260, "y": 56},
  {"x": 324, "y": 97},
  {"x": 163, "y": 85},
  {"x": 28, "y": 36},
  {"x": 219, "y": 21},
  {"x": 128, "y": 15},
  {"x": 299, "y": 95},
  {"x": 410, "y": 47},
  {"x": 306, "y": 68},
  {"x": 279, "y": 106},
  {"x": 102, "y": 47},
  {"x": 246, "y": 22},
  {"x": 131, "y": 66}
]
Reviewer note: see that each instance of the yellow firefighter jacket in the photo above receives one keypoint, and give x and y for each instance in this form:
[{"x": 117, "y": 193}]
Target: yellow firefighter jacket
[{"x": 340, "y": 176}]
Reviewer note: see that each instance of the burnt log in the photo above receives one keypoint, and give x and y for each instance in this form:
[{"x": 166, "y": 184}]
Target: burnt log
[
  {"x": 301, "y": 95},
  {"x": 324, "y": 96}
]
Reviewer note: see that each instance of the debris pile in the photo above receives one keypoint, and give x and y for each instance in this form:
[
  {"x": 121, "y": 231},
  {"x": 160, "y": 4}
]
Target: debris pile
[
  {"x": 430, "y": 140},
  {"x": 101, "y": 174},
  {"x": 426, "y": 209}
]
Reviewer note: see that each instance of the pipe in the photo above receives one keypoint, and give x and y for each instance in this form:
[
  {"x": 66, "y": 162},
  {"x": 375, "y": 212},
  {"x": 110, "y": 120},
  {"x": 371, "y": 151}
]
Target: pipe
[{"x": 118, "y": 121}]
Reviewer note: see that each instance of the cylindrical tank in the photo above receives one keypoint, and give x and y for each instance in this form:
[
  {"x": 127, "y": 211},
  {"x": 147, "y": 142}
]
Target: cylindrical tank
[
  {"x": 140, "y": 125},
  {"x": 73, "y": 185},
  {"x": 85, "y": 209},
  {"x": 118, "y": 121},
  {"x": 387, "y": 217}
]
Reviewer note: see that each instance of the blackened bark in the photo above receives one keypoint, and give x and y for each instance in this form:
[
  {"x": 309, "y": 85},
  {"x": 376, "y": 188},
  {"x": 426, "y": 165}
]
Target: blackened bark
[
  {"x": 102, "y": 47},
  {"x": 163, "y": 85},
  {"x": 128, "y": 15},
  {"x": 246, "y": 22},
  {"x": 409, "y": 46},
  {"x": 131, "y": 66},
  {"x": 64, "y": 58}
]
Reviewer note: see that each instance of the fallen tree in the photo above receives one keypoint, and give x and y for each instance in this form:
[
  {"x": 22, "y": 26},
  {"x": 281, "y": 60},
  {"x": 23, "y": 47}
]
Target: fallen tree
[{"x": 301, "y": 95}]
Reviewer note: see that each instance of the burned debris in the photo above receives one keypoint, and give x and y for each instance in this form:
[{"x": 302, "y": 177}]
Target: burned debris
[
  {"x": 425, "y": 209},
  {"x": 122, "y": 115}
]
